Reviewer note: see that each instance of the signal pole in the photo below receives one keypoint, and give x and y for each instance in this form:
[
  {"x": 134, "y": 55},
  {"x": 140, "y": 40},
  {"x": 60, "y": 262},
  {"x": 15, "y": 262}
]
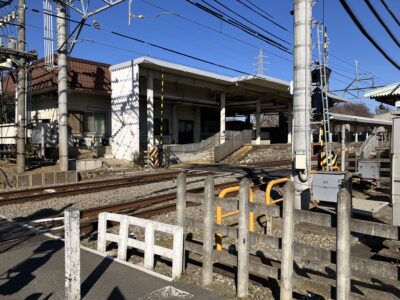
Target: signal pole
[
  {"x": 21, "y": 114},
  {"x": 301, "y": 155}
]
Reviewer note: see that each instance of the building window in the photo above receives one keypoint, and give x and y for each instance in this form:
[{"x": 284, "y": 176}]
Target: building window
[
  {"x": 157, "y": 126},
  {"x": 95, "y": 122}
]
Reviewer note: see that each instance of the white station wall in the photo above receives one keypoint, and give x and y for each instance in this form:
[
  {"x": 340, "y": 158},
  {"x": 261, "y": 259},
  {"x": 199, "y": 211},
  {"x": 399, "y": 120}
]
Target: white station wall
[{"x": 125, "y": 112}]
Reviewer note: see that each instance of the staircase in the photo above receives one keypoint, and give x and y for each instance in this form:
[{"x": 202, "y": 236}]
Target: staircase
[
  {"x": 368, "y": 148},
  {"x": 209, "y": 150}
]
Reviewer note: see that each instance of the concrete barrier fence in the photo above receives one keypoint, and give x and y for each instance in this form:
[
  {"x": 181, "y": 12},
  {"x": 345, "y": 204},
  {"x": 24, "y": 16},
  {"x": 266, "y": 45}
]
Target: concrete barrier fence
[{"x": 150, "y": 249}]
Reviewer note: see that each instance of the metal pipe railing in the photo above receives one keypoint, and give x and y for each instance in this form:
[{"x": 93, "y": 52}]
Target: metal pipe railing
[
  {"x": 271, "y": 184},
  {"x": 220, "y": 216}
]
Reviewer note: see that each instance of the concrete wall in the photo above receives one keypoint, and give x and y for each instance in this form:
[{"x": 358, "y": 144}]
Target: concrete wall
[
  {"x": 274, "y": 152},
  {"x": 42, "y": 179},
  {"x": 125, "y": 112}
]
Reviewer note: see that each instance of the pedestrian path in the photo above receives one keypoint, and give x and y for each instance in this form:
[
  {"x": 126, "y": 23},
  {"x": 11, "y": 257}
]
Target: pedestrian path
[{"x": 32, "y": 268}]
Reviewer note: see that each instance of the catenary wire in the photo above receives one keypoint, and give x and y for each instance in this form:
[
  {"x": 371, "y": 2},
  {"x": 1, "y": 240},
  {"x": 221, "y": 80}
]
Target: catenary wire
[
  {"x": 382, "y": 22},
  {"x": 260, "y": 14},
  {"x": 391, "y": 13},
  {"x": 249, "y": 21},
  {"x": 356, "y": 21}
]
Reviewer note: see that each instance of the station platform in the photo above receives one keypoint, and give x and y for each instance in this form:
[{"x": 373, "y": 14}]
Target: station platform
[{"x": 32, "y": 267}]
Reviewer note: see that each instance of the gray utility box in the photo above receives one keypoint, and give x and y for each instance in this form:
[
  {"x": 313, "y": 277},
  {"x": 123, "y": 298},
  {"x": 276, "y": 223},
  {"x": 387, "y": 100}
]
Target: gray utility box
[
  {"x": 369, "y": 169},
  {"x": 326, "y": 185}
]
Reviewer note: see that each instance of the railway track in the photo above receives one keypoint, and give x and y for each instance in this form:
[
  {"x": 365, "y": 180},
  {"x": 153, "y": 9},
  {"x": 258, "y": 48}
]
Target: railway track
[
  {"x": 139, "y": 207},
  {"x": 42, "y": 193}
]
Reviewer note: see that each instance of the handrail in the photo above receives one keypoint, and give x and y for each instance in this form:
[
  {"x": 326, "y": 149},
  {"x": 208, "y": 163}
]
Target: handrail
[
  {"x": 202, "y": 145},
  {"x": 220, "y": 216},
  {"x": 231, "y": 145},
  {"x": 270, "y": 185}
]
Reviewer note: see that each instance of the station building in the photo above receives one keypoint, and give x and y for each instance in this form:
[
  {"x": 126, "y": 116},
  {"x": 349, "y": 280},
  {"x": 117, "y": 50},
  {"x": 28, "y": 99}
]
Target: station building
[{"x": 196, "y": 104}]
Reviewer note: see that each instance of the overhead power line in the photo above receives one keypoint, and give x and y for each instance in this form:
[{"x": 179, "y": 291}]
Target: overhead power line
[
  {"x": 247, "y": 20},
  {"x": 260, "y": 9},
  {"x": 217, "y": 31},
  {"x": 260, "y": 14},
  {"x": 382, "y": 22},
  {"x": 238, "y": 23},
  {"x": 390, "y": 12},
  {"x": 240, "y": 26},
  {"x": 366, "y": 34},
  {"x": 154, "y": 45}
]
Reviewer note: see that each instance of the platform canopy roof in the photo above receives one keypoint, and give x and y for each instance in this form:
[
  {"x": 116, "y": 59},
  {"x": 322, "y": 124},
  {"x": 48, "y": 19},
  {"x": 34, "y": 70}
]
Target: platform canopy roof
[
  {"x": 359, "y": 120},
  {"x": 388, "y": 94},
  {"x": 242, "y": 92}
]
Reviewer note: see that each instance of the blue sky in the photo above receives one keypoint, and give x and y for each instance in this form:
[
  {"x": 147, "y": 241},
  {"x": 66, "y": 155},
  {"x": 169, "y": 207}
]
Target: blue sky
[{"x": 346, "y": 42}]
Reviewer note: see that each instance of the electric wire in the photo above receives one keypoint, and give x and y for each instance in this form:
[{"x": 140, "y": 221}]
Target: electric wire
[
  {"x": 260, "y": 9},
  {"x": 356, "y": 21},
  {"x": 247, "y": 20},
  {"x": 241, "y": 26},
  {"x": 382, "y": 22},
  {"x": 218, "y": 31},
  {"x": 175, "y": 52},
  {"x": 389, "y": 10},
  {"x": 164, "y": 48},
  {"x": 238, "y": 23},
  {"x": 267, "y": 18}
]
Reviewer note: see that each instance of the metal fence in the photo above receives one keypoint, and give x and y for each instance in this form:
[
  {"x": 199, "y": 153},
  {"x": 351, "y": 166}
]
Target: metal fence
[{"x": 231, "y": 145}]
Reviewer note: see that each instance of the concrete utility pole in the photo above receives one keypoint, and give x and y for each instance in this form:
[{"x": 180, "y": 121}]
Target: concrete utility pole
[
  {"x": 62, "y": 86},
  {"x": 21, "y": 114},
  {"x": 302, "y": 101}
]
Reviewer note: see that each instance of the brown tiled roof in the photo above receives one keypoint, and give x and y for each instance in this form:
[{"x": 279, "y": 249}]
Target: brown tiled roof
[{"x": 82, "y": 75}]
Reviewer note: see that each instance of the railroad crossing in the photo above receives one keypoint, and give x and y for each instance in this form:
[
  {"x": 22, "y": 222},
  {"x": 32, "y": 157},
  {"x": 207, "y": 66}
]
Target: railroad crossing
[{"x": 145, "y": 178}]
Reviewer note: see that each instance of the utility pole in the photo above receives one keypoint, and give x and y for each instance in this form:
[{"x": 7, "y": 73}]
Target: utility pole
[
  {"x": 62, "y": 86},
  {"x": 302, "y": 102},
  {"x": 21, "y": 114}
]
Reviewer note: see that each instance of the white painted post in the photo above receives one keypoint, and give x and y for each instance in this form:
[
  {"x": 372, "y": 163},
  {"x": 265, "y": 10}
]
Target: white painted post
[
  {"x": 287, "y": 243},
  {"x": 148, "y": 246},
  {"x": 258, "y": 121},
  {"x": 243, "y": 241},
  {"x": 177, "y": 260},
  {"x": 123, "y": 237},
  {"x": 343, "y": 154},
  {"x": 290, "y": 123},
  {"x": 101, "y": 233},
  {"x": 222, "y": 120},
  {"x": 181, "y": 206},
  {"x": 150, "y": 111},
  {"x": 72, "y": 254},
  {"x": 208, "y": 230}
]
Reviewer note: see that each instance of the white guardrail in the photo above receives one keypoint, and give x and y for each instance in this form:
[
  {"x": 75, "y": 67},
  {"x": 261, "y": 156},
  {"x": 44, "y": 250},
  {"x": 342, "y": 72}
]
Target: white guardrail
[{"x": 150, "y": 249}]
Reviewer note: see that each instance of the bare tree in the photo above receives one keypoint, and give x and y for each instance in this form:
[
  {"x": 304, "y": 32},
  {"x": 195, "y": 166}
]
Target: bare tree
[{"x": 351, "y": 108}]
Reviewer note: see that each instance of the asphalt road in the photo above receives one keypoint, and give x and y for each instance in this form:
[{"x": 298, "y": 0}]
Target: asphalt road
[{"x": 32, "y": 267}]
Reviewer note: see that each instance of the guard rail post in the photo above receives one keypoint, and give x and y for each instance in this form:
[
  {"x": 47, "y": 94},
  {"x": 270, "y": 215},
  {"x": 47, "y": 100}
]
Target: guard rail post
[
  {"x": 243, "y": 240},
  {"x": 287, "y": 243},
  {"x": 343, "y": 274},
  {"x": 208, "y": 231},
  {"x": 72, "y": 254}
]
